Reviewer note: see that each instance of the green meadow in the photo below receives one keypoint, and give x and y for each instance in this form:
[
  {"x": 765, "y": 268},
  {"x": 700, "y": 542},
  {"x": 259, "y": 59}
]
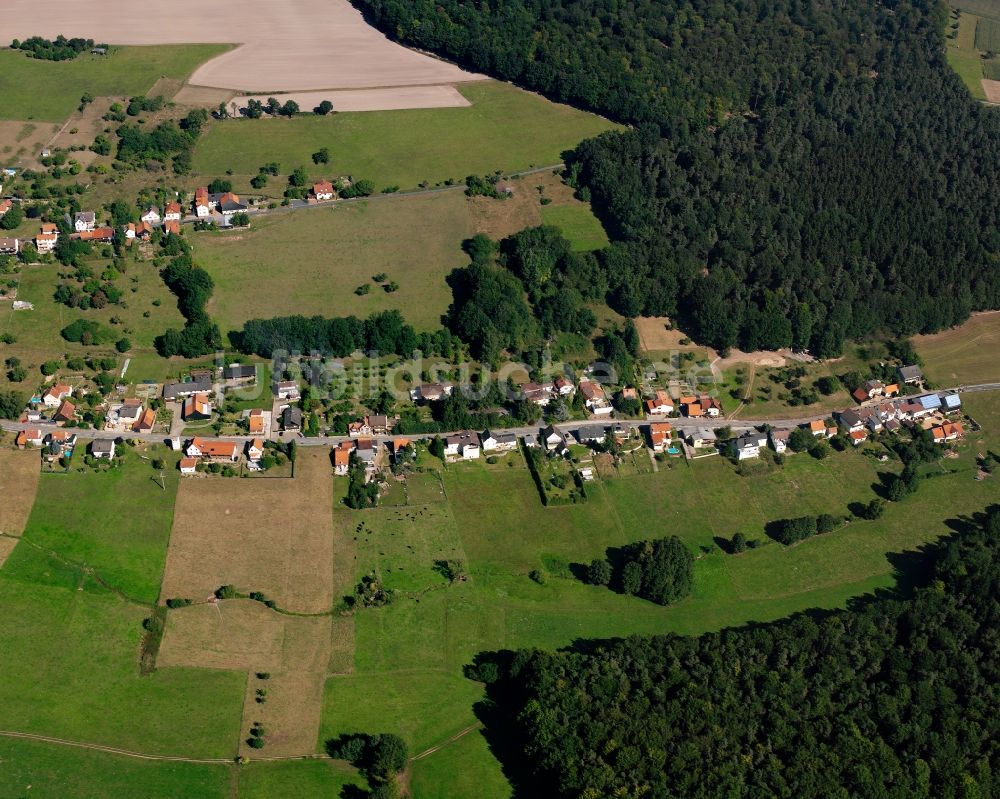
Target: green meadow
[
  {"x": 50, "y": 90},
  {"x": 578, "y": 224},
  {"x": 504, "y": 128}
]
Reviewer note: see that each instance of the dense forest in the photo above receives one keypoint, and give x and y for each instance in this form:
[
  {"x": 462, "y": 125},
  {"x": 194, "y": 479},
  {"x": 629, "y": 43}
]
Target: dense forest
[
  {"x": 796, "y": 173},
  {"x": 893, "y": 698}
]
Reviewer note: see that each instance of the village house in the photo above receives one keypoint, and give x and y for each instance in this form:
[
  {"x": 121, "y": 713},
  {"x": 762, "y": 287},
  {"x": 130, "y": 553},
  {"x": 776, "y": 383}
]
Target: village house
[
  {"x": 202, "y": 203},
  {"x": 553, "y": 440},
  {"x": 228, "y": 204},
  {"x": 66, "y": 412},
  {"x": 213, "y": 449},
  {"x": 126, "y": 414},
  {"x": 129, "y": 231},
  {"x": 747, "y": 445},
  {"x": 151, "y": 216},
  {"x": 779, "y": 439},
  {"x": 379, "y": 423},
  {"x": 660, "y": 405},
  {"x": 464, "y": 445},
  {"x": 255, "y": 449},
  {"x": 563, "y": 386},
  {"x": 55, "y": 394},
  {"x": 59, "y": 443},
  {"x": 172, "y": 213},
  {"x": 498, "y": 442},
  {"x": 591, "y": 434},
  {"x": 5, "y": 206},
  {"x": 84, "y": 220},
  {"x": 530, "y": 440},
  {"x": 103, "y": 448},
  {"x": 199, "y": 385},
  {"x": 47, "y": 238},
  {"x": 171, "y": 228},
  {"x": 240, "y": 374},
  {"x": 402, "y": 449},
  {"x": 197, "y": 407},
  {"x": 256, "y": 422},
  {"x": 145, "y": 422},
  {"x": 101, "y": 234},
  {"x": 818, "y": 428},
  {"x": 538, "y": 393},
  {"x": 430, "y": 392},
  {"x": 188, "y": 465},
  {"x": 322, "y": 191},
  {"x": 702, "y": 437},
  {"x": 951, "y": 403},
  {"x": 9, "y": 246},
  {"x": 910, "y": 375},
  {"x": 858, "y": 437},
  {"x": 851, "y": 420},
  {"x": 286, "y": 390},
  {"x": 291, "y": 418},
  {"x": 699, "y": 406},
  {"x": 659, "y": 436},
  {"x": 342, "y": 458},
  {"x": 594, "y": 398},
  {"x": 949, "y": 431},
  {"x": 367, "y": 450},
  {"x": 29, "y": 437},
  {"x": 359, "y": 428}
]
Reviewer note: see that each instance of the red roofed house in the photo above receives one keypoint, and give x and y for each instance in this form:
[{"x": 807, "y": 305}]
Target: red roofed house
[
  {"x": 172, "y": 213},
  {"x": 55, "y": 394},
  {"x": 29, "y": 436},
  {"x": 342, "y": 458},
  {"x": 66, "y": 412},
  {"x": 859, "y": 437},
  {"x": 255, "y": 449},
  {"x": 145, "y": 421},
  {"x": 189, "y": 465},
  {"x": 323, "y": 190},
  {"x": 947, "y": 432},
  {"x": 202, "y": 203},
  {"x": 213, "y": 449},
  {"x": 172, "y": 227},
  {"x": 5, "y": 206},
  {"x": 197, "y": 406},
  {"x": 98, "y": 234},
  {"x": 659, "y": 436}
]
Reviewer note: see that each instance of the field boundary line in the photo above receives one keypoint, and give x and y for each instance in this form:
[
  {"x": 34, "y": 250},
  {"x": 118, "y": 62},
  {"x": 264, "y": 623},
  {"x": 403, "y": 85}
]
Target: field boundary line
[{"x": 460, "y": 734}]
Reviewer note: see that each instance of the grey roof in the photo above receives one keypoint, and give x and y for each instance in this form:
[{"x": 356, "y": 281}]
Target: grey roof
[
  {"x": 911, "y": 372},
  {"x": 750, "y": 439},
  {"x": 239, "y": 371},
  {"x": 292, "y": 417},
  {"x": 230, "y": 205},
  {"x": 102, "y": 446},
  {"x": 951, "y": 400},
  {"x": 197, "y": 386},
  {"x": 851, "y": 417},
  {"x": 465, "y": 438},
  {"x": 84, "y": 216},
  {"x": 591, "y": 432}
]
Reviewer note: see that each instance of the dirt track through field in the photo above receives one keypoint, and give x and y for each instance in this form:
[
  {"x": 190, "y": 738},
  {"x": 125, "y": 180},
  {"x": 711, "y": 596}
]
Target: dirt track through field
[{"x": 292, "y": 45}]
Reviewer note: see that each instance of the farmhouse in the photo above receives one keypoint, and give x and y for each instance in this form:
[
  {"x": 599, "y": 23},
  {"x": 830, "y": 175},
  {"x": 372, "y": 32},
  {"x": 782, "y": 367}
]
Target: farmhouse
[
  {"x": 213, "y": 449},
  {"x": 84, "y": 220},
  {"x": 55, "y": 394},
  {"x": 239, "y": 374},
  {"x": 197, "y": 407},
  {"x": 104, "y": 234},
  {"x": 498, "y": 442},
  {"x": 228, "y": 203},
  {"x": 199, "y": 385},
  {"x": 9, "y": 246},
  {"x": 748, "y": 445},
  {"x": 103, "y": 448},
  {"x": 322, "y": 191},
  {"x": 464, "y": 445},
  {"x": 30, "y": 436}
]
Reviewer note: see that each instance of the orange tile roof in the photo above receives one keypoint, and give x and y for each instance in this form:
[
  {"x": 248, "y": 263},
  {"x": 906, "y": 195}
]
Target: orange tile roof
[
  {"x": 341, "y": 456},
  {"x": 214, "y": 447},
  {"x": 817, "y": 427},
  {"x": 189, "y": 463}
]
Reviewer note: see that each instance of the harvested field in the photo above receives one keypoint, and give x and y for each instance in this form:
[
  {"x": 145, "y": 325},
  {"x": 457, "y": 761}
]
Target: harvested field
[
  {"x": 291, "y": 715},
  {"x": 390, "y": 99},
  {"x": 294, "y": 45},
  {"x": 202, "y": 95},
  {"x": 991, "y": 88},
  {"x": 6, "y": 547},
  {"x": 18, "y": 482},
  {"x": 243, "y": 635},
  {"x": 656, "y": 337},
  {"x": 273, "y": 536}
]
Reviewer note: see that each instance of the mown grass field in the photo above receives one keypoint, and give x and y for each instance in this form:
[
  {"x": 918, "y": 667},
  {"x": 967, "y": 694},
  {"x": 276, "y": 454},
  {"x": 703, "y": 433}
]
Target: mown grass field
[
  {"x": 88, "y": 517},
  {"x": 49, "y": 91},
  {"x": 578, "y": 224},
  {"x": 965, "y": 354},
  {"x": 504, "y": 128},
  {"x": 310, "y": 262},
  {"x": 964, "y": 57}
]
